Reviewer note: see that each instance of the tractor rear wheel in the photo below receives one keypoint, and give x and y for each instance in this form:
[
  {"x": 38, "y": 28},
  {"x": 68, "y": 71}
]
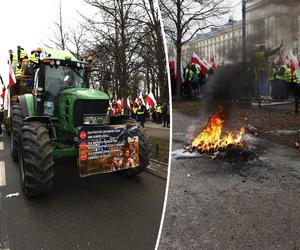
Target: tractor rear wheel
[
  {"x": 144, "y": 154},
  {"x": 16, "y": 119},
  {"x": 36, "y": 159}
]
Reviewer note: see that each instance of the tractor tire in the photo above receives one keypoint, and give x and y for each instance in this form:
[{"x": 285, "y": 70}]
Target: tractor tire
[
  {"x": 16, "y": 120},
  {"x": 36, "y": 159},
  {"x": 144, "y": 154}
]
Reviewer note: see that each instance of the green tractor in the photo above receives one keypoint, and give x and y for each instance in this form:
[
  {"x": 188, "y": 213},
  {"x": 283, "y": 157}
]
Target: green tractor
[{"x": 63, "y": 117}]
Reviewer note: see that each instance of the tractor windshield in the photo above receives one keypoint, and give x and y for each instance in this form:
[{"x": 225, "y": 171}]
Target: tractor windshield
[
  {"x": 58, "y": 79},
  {"x": 62, "y": 77}
]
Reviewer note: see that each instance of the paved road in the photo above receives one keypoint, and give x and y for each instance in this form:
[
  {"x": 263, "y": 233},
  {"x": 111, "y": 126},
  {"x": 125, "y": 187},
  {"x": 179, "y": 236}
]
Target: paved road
[
  {"x": 157, "y": 130},
  {"x": 214, "y": 205},
  {"x": 98, "y": 212}
]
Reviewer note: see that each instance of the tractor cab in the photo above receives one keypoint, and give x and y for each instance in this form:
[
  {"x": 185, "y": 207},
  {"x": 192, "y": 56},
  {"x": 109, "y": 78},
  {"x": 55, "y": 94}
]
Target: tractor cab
[{"x": 58, "y": 70}]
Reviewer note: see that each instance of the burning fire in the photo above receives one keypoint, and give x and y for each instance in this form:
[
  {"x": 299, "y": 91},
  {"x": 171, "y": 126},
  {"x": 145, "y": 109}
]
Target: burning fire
[{"x": 210, "y": 138}]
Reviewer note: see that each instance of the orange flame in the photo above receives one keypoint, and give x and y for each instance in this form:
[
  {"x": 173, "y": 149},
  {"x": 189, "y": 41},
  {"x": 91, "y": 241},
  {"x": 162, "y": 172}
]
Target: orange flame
[{"x": 210, "y": 138}]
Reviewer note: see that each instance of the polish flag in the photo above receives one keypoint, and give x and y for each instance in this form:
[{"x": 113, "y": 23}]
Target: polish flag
[
  {"x": 2, "y": 88},
  {"x": 120, "y": 104},
  {"x": 2, "y": 91},
  {"x": 172, "y": 65},
  {"x": 203, "y": 65},
  {"x": 150, "y": 99},
  {"x": 213, "y": 64},
  {"x": 12, "y": 78},
  {"x": 295, "y": 65},
  {"x": 140, "y": 99}
]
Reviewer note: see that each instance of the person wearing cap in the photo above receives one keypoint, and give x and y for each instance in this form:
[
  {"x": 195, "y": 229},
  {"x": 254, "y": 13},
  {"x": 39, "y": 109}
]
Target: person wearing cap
[
  {"x": 12, "y": 57},
  {"x": 33, "y": 57},
  {"x": 21, "y": 54}
]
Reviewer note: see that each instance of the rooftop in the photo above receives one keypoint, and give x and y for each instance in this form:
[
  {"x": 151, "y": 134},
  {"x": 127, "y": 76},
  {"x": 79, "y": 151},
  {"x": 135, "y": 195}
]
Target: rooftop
[{"x": 214, "y": 31}]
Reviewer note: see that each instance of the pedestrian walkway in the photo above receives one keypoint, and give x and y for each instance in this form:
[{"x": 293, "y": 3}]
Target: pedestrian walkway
[
  {"x": 157, "y": 130},
  {"x": 288, "y": 106},
  {"x": 150, "y": 124}
]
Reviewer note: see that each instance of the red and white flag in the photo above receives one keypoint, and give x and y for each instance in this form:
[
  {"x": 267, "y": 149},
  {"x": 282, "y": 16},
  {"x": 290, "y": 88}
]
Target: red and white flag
[
  {"x": 120, "y": 104},
  {"x": 204, "y": 66},
  {"x": 2, "y": 88},
  {"x": 150, "y": 99},
  {"x": 213, "y": 64},
  {"x": 2, "y": 91},
  {"x": 295, "y": 65},
  {"x": 140, "y": 99},
  {"x": 172, "y": 65},
  {"x": 12, "y": 79}
]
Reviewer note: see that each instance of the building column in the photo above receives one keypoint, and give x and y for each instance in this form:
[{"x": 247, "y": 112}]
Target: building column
[{"x": 270, "y": 32}]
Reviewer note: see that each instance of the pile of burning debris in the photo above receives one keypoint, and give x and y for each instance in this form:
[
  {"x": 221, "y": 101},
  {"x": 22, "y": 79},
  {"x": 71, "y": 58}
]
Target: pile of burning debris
[{"x": 212, "y": 144}]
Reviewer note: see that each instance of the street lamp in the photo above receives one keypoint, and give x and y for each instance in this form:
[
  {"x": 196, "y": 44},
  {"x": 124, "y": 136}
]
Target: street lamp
[
  {"x": 244, "y": 49},
  {"x": 231, "y": 21}
]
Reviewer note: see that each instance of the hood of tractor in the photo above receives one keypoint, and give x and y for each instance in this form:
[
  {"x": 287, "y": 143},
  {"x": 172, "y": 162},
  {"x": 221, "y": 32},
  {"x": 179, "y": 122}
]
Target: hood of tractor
[
  {"x": 84, "y": 93},
  {"x": 75, "y": 103}
]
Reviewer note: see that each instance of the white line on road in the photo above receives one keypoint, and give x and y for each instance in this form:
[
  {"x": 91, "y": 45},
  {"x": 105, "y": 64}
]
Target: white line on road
[
  {"x": 2, "y": 174},
  {"x": 1, "y": 145}
]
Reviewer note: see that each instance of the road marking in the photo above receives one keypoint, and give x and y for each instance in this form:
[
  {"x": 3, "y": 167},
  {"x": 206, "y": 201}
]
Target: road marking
[
  {"x": 2, "y": 174},
  {"x": 1, "y": 145},
  {"x": 5, "y": 245}
]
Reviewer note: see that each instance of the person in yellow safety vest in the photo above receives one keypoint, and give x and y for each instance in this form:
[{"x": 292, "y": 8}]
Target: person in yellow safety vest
[
  {"x": 21, "y": 53},
  {"x": 158, "y": 110},
  {"x": 141, "y": 112},
  {"x": 281, "y": 81},
  {"x": 33, "y": 58},
  {"x": 14, "y": 89},
  {"x": 188, "y": 73},
  {"x": 18, "y": 73},
  {"x": 25, "y": 61},
  {"x": 289, "y": 80},
  {"x": 294, "y": 88},
  {"x": 12, "y": 58},
  {"x": 134, "y": 111},
  {"x": 260, "y": 68}
]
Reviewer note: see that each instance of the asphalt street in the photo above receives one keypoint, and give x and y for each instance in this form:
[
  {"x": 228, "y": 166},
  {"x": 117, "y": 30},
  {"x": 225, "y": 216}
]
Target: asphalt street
[
  {"x": 98, "y": 212},
  {"x": 215, "y": 205}
]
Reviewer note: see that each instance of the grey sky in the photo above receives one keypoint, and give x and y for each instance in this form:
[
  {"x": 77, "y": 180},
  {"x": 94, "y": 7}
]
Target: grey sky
[{"x": 27, "y": 23}]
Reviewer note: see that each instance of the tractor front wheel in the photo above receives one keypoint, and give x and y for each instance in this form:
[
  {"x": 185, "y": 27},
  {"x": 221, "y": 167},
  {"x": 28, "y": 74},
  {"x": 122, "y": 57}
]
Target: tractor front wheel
[
  {"x": 35, "y": 159},
  {"x": 16, "y": 119}
]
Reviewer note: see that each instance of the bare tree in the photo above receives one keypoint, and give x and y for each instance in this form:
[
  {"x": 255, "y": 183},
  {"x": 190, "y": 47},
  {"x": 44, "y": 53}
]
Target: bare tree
[
  {"x": 76, "y": 40},
  {"x": 60, "y": 36},
  {"x": 183, "y": 19},
  {"x": 155, "y": 47},
  {"x": 120, "y": 34}
]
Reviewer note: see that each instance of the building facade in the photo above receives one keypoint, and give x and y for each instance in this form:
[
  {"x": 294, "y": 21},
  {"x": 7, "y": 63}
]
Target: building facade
[{"x": 268, "y": 22}]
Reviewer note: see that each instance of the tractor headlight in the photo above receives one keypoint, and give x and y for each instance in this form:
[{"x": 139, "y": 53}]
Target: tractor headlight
[{"x": 95, "y": 120}]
